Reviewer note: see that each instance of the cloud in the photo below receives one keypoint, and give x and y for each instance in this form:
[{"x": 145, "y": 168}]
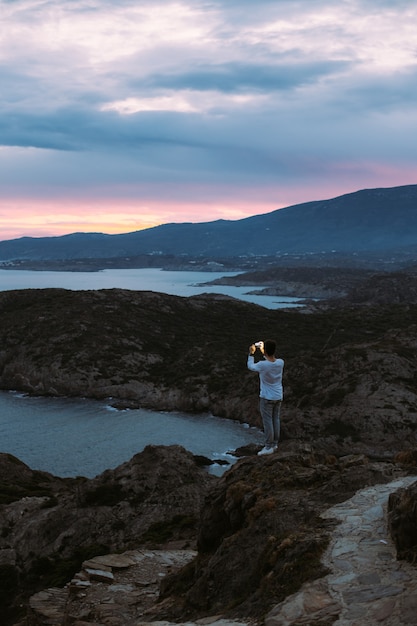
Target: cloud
[
  {"x": 210, "y": 99},
  {"x": 383, "y": 94},
  {"x": 246, "y": 78}
]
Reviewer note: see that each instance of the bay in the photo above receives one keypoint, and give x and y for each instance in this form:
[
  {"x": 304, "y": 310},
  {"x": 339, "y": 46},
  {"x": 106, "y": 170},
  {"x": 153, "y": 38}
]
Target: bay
[
  {"x": 71, "y": 437},
  {"x": 144, "y": 279},
  {"x": 80, "y": 437}
]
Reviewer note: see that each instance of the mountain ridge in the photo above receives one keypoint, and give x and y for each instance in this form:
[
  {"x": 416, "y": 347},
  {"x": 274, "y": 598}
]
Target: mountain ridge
[{"x": 381, "y": 219}]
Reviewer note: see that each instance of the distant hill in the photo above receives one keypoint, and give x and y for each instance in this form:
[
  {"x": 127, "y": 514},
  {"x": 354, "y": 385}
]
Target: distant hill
[{"x": 374, "y": 220}]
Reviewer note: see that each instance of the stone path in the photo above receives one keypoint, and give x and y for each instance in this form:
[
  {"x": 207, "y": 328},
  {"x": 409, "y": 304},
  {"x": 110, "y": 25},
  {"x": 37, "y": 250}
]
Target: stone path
[{"x": 367, "y": 585}]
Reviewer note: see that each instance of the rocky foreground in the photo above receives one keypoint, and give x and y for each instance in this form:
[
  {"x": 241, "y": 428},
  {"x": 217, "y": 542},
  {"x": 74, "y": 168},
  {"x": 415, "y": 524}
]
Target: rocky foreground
[
  {"x": 158, "y": 539},
  {"x": 197, "y": 547}
]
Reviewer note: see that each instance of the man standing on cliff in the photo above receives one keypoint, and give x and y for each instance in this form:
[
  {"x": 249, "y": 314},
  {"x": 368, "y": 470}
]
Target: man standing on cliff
[{"x": 270, "y": 370}]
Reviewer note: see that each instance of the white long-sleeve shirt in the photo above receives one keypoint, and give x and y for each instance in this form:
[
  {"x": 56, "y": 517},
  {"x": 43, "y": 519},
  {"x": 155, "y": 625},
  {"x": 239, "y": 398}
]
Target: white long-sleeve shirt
[{"x": 270, "y": 377}]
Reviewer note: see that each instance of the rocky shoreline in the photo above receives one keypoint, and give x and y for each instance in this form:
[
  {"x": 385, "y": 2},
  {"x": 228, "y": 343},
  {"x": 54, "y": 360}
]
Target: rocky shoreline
[
  {"x": 336, "y": 286},
  {"x": 256, "y": 535},
  {"x": 158, "y": 539},
  {"x": 348, "y": 370}
]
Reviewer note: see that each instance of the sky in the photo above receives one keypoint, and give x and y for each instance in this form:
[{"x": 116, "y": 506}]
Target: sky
[{"x": 118, "y": 115}]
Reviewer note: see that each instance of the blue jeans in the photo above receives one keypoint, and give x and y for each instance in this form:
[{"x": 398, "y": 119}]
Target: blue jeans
[{"x": 270, "y": 411}]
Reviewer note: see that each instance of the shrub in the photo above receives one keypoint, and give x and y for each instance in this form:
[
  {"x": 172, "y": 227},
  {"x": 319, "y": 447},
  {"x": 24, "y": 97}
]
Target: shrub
[
  {"x": 56, "y": 571},
  {"x": 341, "y": 429},
  {"x": 160, "y": 532},
  {"x": 104, "y": 495}
]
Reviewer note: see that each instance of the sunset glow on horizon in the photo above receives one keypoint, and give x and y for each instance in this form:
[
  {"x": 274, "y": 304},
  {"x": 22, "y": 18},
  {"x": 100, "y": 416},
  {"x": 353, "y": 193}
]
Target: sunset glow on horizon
[
  {"x": 119, "y": 115},
  {"x": 46, "y": 218}
]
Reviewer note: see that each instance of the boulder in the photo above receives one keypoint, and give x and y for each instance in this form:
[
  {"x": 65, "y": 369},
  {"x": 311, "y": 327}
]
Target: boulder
[
  {"x": 402, "y": 522},
  {"x": 50, "y": 525},
  {"x": 261, "y": 535}
]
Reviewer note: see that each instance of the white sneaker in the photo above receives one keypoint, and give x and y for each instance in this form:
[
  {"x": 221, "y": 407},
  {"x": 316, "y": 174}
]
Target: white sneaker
[{"x": 265, "y": 451}]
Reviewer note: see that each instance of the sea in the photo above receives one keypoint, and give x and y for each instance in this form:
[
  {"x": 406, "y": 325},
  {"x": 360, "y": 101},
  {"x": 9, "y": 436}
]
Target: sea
[
  {"x": 81, "y": 437},
  {"x": 187, "y": 283}
]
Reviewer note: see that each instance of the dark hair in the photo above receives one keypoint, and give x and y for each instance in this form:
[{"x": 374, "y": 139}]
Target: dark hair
[{"x": 270, "y": 346}]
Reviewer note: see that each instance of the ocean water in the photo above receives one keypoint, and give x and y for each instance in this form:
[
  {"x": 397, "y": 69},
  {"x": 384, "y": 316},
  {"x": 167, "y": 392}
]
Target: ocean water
[
  {"x": 148, "y": 279},
  {"x": 71, "y": 437},
  {"x": 82, "y": 437}
]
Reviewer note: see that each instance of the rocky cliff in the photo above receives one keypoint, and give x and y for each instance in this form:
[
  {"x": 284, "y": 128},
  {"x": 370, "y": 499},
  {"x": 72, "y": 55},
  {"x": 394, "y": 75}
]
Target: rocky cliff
[
  {"x": 402, "y": 520},
  {"x": 349, "y": 370},
  {"x": 349, "y": 420},
  {"x": 50, "y": 525},
  {"x": 159, "y": 539}
]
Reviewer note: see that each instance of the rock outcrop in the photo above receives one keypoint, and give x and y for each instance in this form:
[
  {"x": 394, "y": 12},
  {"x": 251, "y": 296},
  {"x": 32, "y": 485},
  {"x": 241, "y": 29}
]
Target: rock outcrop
[
  {"x": 117, "y": 589},
  {"x": 50, "y": 525},
  {"x": 300, "y": 282},
  {"x": 381, "y": 289},
  {"x": 331, "y": 286},
  {"x": 260, "y": 537},
  {"x": 402, "y": 518}
]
